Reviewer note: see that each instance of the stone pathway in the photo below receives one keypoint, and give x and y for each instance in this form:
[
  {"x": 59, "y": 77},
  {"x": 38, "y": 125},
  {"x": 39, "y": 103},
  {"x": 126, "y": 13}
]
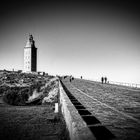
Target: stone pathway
[{"x": 110, "y": 111}]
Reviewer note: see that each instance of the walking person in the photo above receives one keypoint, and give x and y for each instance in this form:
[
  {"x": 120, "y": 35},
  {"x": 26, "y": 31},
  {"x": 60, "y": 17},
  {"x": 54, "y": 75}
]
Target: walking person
[
  {"x": 102, "y": 80},
  {"x": 105, "y": 80},
  {"x": 70, "y": 79}
]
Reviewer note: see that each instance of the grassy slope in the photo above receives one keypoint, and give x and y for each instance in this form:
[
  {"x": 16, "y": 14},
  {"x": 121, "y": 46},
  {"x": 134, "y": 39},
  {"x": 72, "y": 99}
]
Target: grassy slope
[{"x": 29, "y": 122}]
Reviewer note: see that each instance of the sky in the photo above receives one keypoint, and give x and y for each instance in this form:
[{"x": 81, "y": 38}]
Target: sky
[{"x": 92, "y": 39}]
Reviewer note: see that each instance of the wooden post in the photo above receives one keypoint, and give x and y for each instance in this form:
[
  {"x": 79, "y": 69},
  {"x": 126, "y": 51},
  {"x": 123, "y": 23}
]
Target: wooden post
[{"x": 56, "y": 108}]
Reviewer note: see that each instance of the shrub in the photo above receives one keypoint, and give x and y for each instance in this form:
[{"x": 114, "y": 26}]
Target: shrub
[
  {"x": 16, "y": 96},
  {"x": 3, "y": 89}
]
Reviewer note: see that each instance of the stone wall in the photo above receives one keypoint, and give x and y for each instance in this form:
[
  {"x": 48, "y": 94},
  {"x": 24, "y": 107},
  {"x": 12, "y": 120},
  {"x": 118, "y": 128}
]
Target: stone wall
[{"x": 77, "y": 128}]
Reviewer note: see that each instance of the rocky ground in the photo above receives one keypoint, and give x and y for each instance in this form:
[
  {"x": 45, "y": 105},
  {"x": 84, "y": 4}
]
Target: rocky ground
[{"x": 27, "y": 103}]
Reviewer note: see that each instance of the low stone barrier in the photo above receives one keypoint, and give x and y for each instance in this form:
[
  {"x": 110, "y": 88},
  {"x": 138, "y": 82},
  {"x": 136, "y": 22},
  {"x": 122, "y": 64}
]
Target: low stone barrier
[{"x": 77, "y": 128}]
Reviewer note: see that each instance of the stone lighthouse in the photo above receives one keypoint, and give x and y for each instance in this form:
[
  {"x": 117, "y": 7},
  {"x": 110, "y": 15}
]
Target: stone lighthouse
[{"x": 30, "y": 55}]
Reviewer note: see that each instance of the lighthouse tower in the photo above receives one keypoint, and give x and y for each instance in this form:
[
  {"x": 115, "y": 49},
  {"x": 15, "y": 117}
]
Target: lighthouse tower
[{"x": 30, "y": 56}]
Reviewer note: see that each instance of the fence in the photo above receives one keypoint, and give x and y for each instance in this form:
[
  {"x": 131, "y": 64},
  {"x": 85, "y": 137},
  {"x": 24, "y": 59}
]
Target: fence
[
  {"x": 125, "y": 84},
  {"x": 133, "y": 85}
]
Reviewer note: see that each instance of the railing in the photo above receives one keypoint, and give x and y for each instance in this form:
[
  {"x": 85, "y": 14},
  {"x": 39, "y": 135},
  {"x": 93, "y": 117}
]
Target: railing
[
  {"x": 125, "y": 84},
  {"x": 133, "y": 85}
]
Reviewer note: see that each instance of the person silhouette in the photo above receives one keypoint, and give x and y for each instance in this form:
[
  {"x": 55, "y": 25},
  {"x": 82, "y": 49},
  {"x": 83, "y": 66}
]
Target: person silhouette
[
  {"x": 102, "y": 80},
  {"x": 105, "y": 80},
  {"x": 70, "y": 79}
]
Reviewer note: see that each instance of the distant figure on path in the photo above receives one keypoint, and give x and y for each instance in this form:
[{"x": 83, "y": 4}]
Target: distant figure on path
[
  {"x": 105, "y": 80},
  {"x": 81, "y": 77},
  {"x": 102, "y": 80}
]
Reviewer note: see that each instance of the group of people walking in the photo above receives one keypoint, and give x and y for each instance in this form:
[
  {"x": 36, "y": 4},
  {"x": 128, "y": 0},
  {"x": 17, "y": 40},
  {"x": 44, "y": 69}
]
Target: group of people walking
[
  {"x": 104, "y": 80},
  {"x": 71, "y": 78}
]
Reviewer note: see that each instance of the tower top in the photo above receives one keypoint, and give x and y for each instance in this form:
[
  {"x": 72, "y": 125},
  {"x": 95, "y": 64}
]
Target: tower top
[
  {"x": 30, "y": 41},
  {"x": 30, "y": 37}
]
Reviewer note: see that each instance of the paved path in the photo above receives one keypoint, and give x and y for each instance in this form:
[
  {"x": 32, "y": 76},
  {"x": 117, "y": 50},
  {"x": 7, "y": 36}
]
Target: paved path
[
  {"x": 117, "y": 109},
  {"x": 108, "y": 106}
]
